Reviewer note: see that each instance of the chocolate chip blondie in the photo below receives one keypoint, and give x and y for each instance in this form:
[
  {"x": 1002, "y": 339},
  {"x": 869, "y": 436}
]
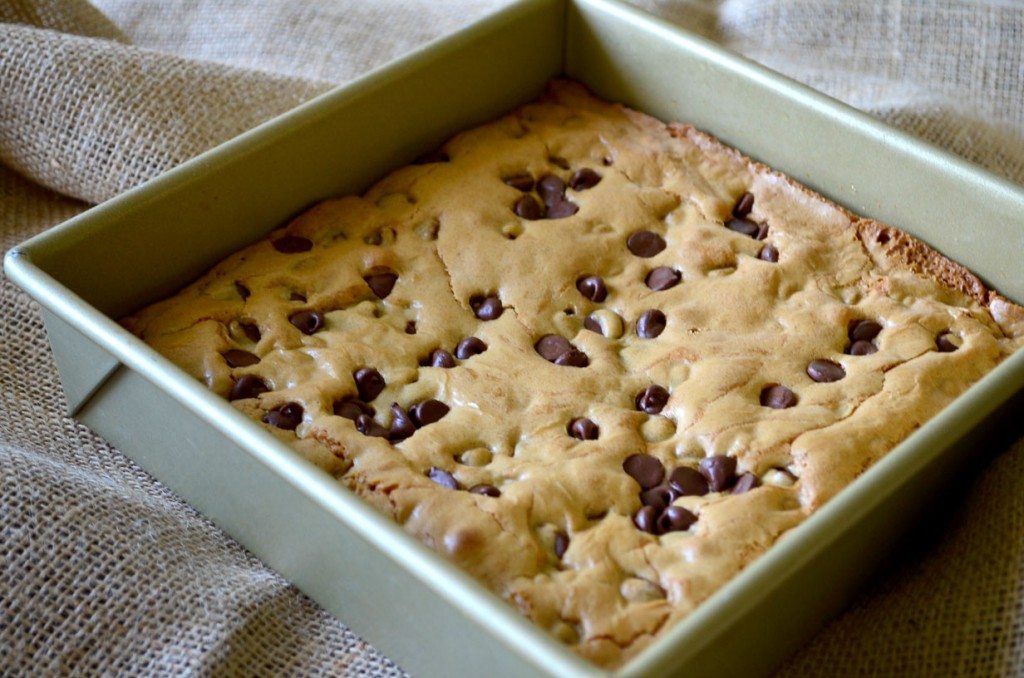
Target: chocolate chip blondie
[{"x": 600, "y": 362}]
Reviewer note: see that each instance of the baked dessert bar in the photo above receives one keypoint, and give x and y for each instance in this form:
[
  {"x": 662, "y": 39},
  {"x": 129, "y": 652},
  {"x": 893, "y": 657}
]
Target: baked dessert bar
[{"x": 600, "y": 362}]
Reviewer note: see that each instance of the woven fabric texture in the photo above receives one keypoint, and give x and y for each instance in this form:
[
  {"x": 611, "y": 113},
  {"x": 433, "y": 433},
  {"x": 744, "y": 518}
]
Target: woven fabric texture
[{"x": 105, "y": 571}]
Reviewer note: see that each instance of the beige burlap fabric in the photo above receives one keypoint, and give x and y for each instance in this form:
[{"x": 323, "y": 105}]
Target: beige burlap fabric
[{"x": 102, "y": 570}]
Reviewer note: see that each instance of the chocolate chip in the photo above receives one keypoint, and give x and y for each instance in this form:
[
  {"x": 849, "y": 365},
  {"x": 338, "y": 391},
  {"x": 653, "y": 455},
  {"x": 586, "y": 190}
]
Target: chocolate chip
[
  {"x": 652, "y": 399},
  {"x": 247, "y": 386},
  {"x": 944, "y": 342},
  {"x": 762, "y": 232},
  {"x": 743, "y": 206},
  {"x": 352, "y": 408},
  {"x": 559, "y": 161},
  {"x": 242, "y": 290},
  {"x": 607, "y": 161},
  {"x": 663, "y": 278},
  {"x": 521, "y": 182},
  {"x": 646, "y": 519},
  {"x": 582, "y": 428},
  {"x": 368, "y": 427},
  {"x": 768, "y": 253},
  {"x": 292, "y": 244},
  {"x": 744, "y": 226},
  {"x": 486, "y": 308},
  {"x": 428, "y": 412},
  {"x": 401, "y": 424},
  {"x": 560, "y": 209},
  {"x": 381, "y": 280},
  {"x": 675, "y": 519},
  {"x": 440, "y": 358},
  {"x": 410, "y": 327},
  {"x": 369, "y": 383},
  {"x": 777, "y": 397},
  {"x": 688, "y": 482},
  {"x": 659, "y": 497},
  {"x": 287, "y": 416},
  {"x": 651, "y": 324},
  {"x": 239, "y": 358},
  {"x": 251, "y": 331},
  {"x": 434, "y": 156},
  {"x": 646, "y": 470},
  {"x": 486, "y": 490},
  {"x": 645, "y": 243},
  {"x": 593, "y": 324},
  {"x": 527, "y": 207},
  {"x": 443, "y": 478},
  {"x": 825, "y": 371},
  {"x": 550, "y": 188},
  {"x": 295, "y": 296},
  {"x": 573, "y": 358},
  {"x": 550, "y": 346},
  {"x": 561, "y": 543},
  {"x": 469, "y": 347},
  {"x": 584, "y": 178},
  {"x": 745, "y": 483},
  {"x": 308, "y": 322},
  {"x": 862, "y": 347},
  {"x": 719, "y": 471},
  {"x": 863, "y": 330},
  {"x": 592, "y": 287}
]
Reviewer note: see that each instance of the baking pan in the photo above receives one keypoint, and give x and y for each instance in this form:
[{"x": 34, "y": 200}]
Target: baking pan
[{"x": 425, "y": 613}]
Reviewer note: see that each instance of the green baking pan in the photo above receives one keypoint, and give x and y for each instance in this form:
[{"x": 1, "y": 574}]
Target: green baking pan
[{"x": 429, "y": 616}]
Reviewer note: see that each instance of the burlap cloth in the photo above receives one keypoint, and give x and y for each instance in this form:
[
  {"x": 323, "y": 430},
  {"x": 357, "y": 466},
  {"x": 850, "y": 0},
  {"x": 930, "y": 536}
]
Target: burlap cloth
[{"x": 103, "y": 570}]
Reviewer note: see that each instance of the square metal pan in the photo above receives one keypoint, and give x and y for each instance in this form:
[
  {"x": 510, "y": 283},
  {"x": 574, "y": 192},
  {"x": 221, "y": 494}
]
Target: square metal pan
[{"x": 418, "y": 608}]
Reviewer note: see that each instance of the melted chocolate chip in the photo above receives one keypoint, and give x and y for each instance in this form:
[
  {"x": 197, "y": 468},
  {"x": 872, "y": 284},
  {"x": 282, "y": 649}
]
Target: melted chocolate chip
[
  {"x": 292, "y": 244},
  {"x": 561, "y": 543},
  {"x": 864, "y": 330},
  {"x": 308, "y": 322},
  {"x": 247, "y": 386},
  {"x": 645, "y": 243},
  {"x": 743, "y": 206},
  {"x": 550, "y": 346},
  {"x": 762, "y": 232},
  {"x": 352, "y": 408},
  {"x": 688, "y": 482},
  {"x": 410, "y": 327},
  {"x": 369, "y": 383},
  {"x": 443, "y": 478},
  {"x": 862, "y": 347},
  {"x": 561, "y": 209},
  {"x": 646, "y": 470},
  {"x": 592, "y": 287},
  {"x": 651, "y": 324},
  {"x": 646, "y": 519},
  {"x": 559, "y": 161},
  {"x": 251, "y": 331},
  {"x": 744, "y": 226},
  {"x": 584, "y": 178},
  {"x": 675, "y": 519},
  {"x": 768, "y": 253},
  {"x": 825, "y": 371},
  {"x": 295, "y": 296},
  {"x": 368, "y": 427},
  {"x": 469, "y": 347},
  {"x": 777, "y": 397},
  {"x": 239, "y": 358},
  {"x": 242, "y": 290},
  {"x": 486, "y": 308},
  {"x": 521, "y": 182},
  {"x": 402, "y": 425},
  {"x": 550, "y": 188},
  {"x": 486, "y": 490},
  {"x": 658, "y": 497},
  {"x": 582, "y": 428},
  {"x": 652, "y": 399},
  {"x": 593, "y": 324},
  {"x": 573, "y": 358},
  {"x": 381, "y": 280},
  {"x": 440, "y": 358},
  {"x": 527, "y": 207},
  {"x": 428, "y": 412},
  {"x": 745, "y": 483},
  {"x": 719, "y": 471},
  {"x": 287, "y": 416},
  {"x": 663, "y": 278},
  {"x": 944, "y": 342}
]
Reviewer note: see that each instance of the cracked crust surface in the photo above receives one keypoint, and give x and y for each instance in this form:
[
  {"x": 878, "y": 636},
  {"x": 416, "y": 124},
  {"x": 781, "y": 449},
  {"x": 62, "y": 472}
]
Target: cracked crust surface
[{"x": 735, "y": 324}]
